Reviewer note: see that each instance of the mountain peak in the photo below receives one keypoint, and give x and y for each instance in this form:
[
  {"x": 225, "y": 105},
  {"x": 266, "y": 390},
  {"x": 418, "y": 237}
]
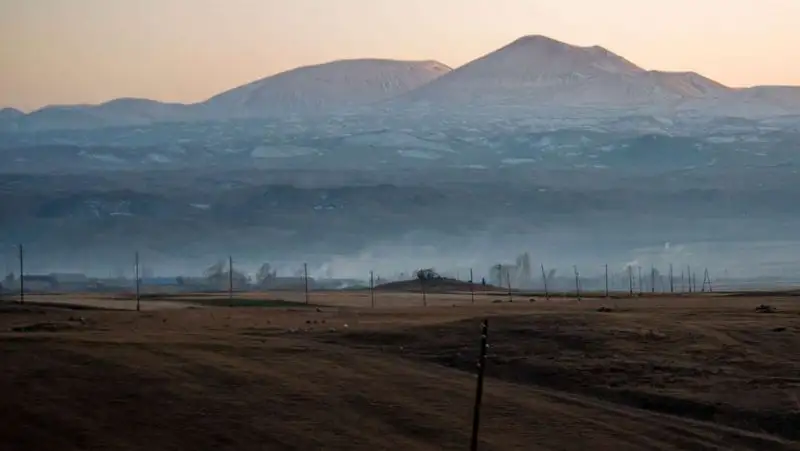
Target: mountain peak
[
  {"x": 539, "y": 70},
  {"x": 543, "y": 53},
  {"x": 538, "y": 40},
  {"x": 542, "y": 41}
]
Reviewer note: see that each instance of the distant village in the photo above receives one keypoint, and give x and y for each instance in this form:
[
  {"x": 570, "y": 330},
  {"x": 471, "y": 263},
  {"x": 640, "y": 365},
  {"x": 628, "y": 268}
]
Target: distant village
[
  {"x": 218, "y": 277},
  {"x": 215, "y": 278},
  {"x": 519, "y": 275}
]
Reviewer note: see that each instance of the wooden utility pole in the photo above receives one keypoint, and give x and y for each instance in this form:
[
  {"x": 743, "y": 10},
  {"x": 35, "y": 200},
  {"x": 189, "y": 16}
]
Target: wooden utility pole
[
  {"x": 424, "y": 296},
  {"x": 305, "y": 278},
  {"x": 544, "y": 279},
  {"x": 683, "y": 282},
  {"x": 508, "y": 282},
  {"x": 230, "y": 280},
  {"x": 652, "y": 279},
  {"x": 471, "y": 286},
  {"x": 703, "y": 286},
  {"x": 606, "y": 280},
  {"x": 372, "y": 288},
  {"x": 630, "y": 279},
  {"x": 707, "y": 280},
  {"x": 640, "y": 280},
  {"x": 689, "y": 275},
  {"x": 577, "y": 283},
  {"x": 671, "y": 280},
  {"x": 21, "y": 275},
  {"x": 476, "y": 411},
  {"x": 138, "y": 300}
]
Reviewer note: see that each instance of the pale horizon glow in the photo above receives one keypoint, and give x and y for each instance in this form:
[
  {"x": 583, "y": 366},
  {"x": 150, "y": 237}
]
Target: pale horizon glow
[{"x": 92, "y": 51}]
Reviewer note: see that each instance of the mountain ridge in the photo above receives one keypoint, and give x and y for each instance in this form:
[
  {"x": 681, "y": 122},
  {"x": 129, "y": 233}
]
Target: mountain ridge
[
  {"x": 312, "y": 89},
  {"x": 343, "y": 83},
  {"x": 533, "y": 70}
]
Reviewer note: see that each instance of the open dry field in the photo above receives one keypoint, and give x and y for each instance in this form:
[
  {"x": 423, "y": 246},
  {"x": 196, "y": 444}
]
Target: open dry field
[{"x": 191, "y": 372}]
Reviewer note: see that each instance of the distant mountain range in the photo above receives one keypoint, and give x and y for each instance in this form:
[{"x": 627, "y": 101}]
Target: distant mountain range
[
  {"x": 532, "y": 72},
  {"x": 536, "y": 70},
  {"x": 311, "y": 90}
]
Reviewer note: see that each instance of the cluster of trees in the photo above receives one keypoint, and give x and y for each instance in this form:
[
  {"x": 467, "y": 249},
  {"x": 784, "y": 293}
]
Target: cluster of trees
[
  {"x": 219, "y": 274},
  {"x": 428, "y": 274}
]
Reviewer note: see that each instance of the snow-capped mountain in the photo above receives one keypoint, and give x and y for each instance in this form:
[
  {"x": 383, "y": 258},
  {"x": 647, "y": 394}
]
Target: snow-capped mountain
[
  {"x": 326, "y": 87},
  {"x": 536, "y": 70},
  {"x": 318, "y": 89},
  {"x": 534, "y": 76}
]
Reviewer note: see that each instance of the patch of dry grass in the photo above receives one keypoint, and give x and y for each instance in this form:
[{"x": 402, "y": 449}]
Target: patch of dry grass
[{"x": 660, "y": 373}]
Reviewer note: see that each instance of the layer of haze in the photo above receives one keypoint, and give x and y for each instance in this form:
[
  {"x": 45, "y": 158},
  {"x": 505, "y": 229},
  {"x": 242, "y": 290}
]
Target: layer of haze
[{"x": 90, "y": 51}]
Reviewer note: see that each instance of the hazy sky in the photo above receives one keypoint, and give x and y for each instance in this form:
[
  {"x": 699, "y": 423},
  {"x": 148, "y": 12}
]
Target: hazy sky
[{"x": 76, "y": 51}]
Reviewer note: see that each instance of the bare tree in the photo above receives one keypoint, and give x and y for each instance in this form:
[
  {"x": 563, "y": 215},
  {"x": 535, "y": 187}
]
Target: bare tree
[
  {"x": 218, "y": 275},
  {"x": 215, "y": 271},
  {"x": 427, "y": 274},
  {"x": 265, "y": 274}
]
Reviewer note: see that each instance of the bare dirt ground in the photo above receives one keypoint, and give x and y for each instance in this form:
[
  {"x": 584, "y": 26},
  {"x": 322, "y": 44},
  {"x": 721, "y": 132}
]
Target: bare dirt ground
[{"x": 658, "y": 373}]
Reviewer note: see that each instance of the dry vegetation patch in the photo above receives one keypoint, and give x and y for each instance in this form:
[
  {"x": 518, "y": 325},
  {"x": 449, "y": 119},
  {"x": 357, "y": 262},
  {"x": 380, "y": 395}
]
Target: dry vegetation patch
[
  {"x": 656, "y": 374},
  {"x": 734, "y": 370}
]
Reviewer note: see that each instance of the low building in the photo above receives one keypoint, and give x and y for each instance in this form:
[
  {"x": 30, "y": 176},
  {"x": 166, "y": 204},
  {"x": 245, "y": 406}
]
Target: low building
[
  {"x": 70, "y": 278},
  {"x": 39, "y": 283}
]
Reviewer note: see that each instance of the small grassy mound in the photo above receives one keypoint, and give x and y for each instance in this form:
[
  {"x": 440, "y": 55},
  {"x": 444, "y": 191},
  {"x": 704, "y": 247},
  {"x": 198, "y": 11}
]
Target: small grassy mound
[{"x": 443, "y": 285}]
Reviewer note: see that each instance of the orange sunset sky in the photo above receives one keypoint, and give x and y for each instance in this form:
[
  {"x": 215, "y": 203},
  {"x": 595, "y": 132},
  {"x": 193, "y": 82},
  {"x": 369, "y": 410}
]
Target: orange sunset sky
[{"x": 90, "y": 51}]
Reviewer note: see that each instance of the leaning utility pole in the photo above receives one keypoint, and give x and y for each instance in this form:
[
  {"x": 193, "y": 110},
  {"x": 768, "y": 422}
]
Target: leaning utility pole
[
  {"x": 138, "y": 305},
  {"x": 476, "y": 411}
]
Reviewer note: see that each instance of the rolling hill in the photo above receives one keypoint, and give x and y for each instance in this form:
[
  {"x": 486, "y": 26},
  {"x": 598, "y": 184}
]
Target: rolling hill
[
  {"x": 117, "y": 112},
  {"x": 326, "y": 87}
]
